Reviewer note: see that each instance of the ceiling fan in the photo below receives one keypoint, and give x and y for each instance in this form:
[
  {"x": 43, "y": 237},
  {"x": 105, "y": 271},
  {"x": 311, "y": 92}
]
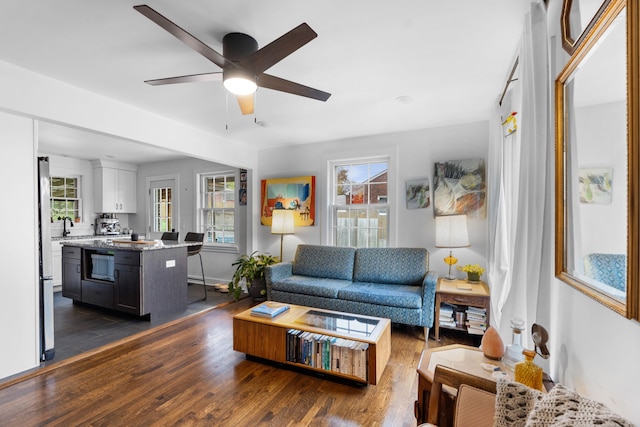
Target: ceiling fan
[{"x": 243, "y": 64}]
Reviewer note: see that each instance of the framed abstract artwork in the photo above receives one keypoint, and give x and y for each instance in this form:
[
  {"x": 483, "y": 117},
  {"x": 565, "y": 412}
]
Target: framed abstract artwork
[
  {"x": 297, "y": 194},
  {"x": 418, "y": 194},
  {"x": 595, "y": 185},
  {"x": 459, "y": 187}
]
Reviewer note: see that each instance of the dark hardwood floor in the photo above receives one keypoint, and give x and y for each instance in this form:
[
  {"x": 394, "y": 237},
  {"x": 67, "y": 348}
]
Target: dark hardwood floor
[
  {"x": 79, "y": 328},
  {"x": 185, "y": 372}
]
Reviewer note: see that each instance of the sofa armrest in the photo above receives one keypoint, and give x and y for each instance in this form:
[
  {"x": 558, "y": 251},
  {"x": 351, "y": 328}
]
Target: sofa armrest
[
  {"x": 275, "y": 273},
  {"x": 429, "y": 285}
]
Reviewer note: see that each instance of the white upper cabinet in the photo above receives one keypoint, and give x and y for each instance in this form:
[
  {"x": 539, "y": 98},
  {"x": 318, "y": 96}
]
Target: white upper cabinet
[{"x": 115, "y": 187}]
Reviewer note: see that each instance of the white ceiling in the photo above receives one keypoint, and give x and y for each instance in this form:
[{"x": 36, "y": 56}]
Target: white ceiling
[{"x": 450, "y": 57}]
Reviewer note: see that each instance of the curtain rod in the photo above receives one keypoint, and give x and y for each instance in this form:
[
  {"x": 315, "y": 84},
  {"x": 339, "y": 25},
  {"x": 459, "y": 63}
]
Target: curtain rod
[{"x": 510, "y": 79}]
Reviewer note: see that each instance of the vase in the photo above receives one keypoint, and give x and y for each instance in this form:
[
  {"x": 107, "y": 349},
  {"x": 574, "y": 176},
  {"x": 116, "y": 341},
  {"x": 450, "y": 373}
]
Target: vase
[
  {"x": 258, "y": 290},
  {"x": 473, "y": 277},
  {"x": 492, "y": 345}
]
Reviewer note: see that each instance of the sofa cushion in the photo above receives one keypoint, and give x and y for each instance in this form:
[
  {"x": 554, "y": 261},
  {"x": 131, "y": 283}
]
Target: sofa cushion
[
  {"x": 304, "y": 285},
  {"x": 405, "y": 296},
  {"x": 610, "y": 269},
  {"x": 324, "y": 261},
  {"x": 397, "y": 266}
]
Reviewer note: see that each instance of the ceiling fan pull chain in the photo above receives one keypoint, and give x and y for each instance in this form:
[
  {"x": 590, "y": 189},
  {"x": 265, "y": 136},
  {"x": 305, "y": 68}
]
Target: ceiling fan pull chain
[{"x": 226, "y": 111}]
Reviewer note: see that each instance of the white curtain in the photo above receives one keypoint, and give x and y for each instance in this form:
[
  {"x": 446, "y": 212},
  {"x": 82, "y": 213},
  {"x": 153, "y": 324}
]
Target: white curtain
[{"x": 518, "y": 182}]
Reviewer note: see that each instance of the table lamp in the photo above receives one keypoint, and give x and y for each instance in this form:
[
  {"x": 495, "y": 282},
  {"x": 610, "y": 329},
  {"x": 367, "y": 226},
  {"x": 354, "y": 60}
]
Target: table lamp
[
  {"x": 451, "y": 232},
  {"x": 282, "y": 222}
]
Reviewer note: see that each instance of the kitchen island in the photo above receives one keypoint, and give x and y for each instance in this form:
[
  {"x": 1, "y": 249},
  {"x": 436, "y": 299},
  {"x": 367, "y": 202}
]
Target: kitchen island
[{"x": 143, "y": 278}]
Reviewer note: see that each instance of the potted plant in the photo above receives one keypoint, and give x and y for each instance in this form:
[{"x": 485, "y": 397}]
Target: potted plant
[
  {"x": 474, "y": 271},
  {"x": 251, "y": 268}
]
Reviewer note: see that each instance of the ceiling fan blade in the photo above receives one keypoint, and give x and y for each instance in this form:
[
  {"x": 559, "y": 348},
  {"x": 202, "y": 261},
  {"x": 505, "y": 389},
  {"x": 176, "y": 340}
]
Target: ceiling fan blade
[
  {"x": 279, "y": 49},
  {"x": 276, "y": 83},
  {"x": 184, "y": 36},
  {"x": 246, "y": 103},
  {"x": 193, "y": 78}
]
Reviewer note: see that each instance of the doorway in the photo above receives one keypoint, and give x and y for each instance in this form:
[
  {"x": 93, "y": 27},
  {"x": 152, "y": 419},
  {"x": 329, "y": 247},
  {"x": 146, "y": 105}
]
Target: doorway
[{"x": 163, "y": 205}]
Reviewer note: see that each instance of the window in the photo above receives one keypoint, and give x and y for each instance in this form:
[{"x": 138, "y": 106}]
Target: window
[
  {"x": 217, "y": 207},
  {"x": 162, "y": 209},
  {"x": 65, "y": 198},
  {"x": 359, "y": 203}
]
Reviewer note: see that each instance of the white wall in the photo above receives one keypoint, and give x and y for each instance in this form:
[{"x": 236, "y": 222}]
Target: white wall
[
  {"x": 19, "y": 346},
  {"x": 413, "y": 156},
  {"x": 593, "y": 350},
  {"x": 25, "y": 96},
  {"x": 68, "y": 167},
  {"x": 217, "y": 263},
  {"x": 604, "y": 147}
]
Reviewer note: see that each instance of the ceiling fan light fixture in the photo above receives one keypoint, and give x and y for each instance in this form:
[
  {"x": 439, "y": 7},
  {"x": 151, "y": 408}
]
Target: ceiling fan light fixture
[{"x": 240, "y": 85}]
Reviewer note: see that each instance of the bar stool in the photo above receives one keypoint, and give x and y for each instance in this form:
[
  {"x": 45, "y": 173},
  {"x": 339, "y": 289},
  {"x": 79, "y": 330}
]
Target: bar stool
[
  {"x": 170, "y": 235},
  {"x": 195, "y": 250}
]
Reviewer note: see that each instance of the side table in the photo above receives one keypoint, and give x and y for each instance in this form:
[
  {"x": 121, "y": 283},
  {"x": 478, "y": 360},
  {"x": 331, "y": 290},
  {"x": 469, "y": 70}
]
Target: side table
[
  {"x": 460, "y": 357},
  {"x": 458, "y": 292}
]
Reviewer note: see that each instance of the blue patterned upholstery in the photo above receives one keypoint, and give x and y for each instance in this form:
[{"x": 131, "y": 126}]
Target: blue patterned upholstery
[
  {"x": 324, "y": 261},
  {"x": 384, "y": 282},
  {"x": 610, "y": 269},
  {"x": 398, "y": 266}
]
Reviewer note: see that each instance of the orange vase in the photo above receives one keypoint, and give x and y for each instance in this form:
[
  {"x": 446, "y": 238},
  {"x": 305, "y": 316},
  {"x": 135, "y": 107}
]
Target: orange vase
[{"x": 492, "y": 345}]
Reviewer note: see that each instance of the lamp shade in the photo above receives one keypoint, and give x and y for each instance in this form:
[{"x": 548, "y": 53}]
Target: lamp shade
[
  {"x": 282, "y": 222},
  {"x": 451, "y": 231}
]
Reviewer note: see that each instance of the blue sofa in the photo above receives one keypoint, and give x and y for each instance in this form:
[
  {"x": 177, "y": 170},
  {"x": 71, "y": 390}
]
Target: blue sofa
[
  {"x": 384, "y": 282},
  {"x": 610, "y": 269}
]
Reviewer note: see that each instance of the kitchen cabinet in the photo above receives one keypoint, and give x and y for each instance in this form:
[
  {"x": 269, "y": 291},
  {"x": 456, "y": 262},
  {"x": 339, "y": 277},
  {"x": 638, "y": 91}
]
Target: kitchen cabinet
[
  {"x": 136, "y": 278},
  {"x": 72, "y": 272},
  {"x": 115, "y": 188},
  {"x": 127, "y": 280}
]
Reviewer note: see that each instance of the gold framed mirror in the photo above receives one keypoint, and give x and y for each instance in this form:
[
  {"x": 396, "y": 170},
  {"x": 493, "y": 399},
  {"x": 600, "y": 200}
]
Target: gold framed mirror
[
  {"x": 597, "y": 161},
  {"x": 577, "y": 19}
]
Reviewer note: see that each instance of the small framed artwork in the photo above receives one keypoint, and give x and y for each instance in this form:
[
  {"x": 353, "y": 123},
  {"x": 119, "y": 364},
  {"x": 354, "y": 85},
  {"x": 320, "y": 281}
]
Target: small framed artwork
[
  {"x": 418, "y": 193},
  {"x": 595, "y": 185}
]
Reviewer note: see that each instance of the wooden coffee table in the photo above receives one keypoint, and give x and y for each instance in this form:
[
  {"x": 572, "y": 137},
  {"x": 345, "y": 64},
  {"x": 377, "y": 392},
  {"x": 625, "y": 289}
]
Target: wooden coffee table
[{"x": 266, "y": 338}]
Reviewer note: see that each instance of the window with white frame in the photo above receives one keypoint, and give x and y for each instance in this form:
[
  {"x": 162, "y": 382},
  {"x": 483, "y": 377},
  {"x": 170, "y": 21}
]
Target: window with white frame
[
  {"x": 217, "y": 203},
  {"x": 65, "y": 198},
  {"x": 359, "y": 203}
]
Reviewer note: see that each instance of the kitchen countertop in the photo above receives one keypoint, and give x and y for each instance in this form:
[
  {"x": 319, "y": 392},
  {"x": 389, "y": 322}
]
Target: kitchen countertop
[
  {"x": 91, "y": 237},
  {"x": 141, "y": 245}
]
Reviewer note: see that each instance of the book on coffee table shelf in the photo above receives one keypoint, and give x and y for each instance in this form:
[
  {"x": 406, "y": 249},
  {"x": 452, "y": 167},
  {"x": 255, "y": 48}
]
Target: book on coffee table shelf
[{"x": 269, "y": 309}]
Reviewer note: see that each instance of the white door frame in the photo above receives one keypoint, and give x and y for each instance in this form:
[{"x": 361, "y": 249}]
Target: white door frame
[{"x": 175, "y": 199}]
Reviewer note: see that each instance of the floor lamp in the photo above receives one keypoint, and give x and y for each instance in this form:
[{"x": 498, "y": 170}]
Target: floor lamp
[
  {"x": 282, "y": 222},
  {"x": 451, "y": 232}
]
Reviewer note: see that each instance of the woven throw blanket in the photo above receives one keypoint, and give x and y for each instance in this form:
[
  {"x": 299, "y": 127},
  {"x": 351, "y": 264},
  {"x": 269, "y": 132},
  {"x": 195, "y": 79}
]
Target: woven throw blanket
[
  {"x": 514, "y": 402},
  {"x": 564, "y": 407},
  {"x": 520, "y": 406}
]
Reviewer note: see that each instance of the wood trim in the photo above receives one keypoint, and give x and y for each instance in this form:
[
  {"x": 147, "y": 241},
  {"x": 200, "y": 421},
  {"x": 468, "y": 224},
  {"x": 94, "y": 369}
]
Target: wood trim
[
  {"x": 568, "y": 43},
  {"x": 633, "y": 123}
]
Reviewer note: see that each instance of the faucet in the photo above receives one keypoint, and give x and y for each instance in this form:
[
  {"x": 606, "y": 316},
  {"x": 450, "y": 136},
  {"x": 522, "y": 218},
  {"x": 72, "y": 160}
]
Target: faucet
[{"x": 66, "y": 232}]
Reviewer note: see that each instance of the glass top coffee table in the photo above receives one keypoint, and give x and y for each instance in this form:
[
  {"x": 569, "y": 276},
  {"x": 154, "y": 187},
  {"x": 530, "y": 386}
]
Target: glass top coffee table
[{"x": 267, "y": 337}]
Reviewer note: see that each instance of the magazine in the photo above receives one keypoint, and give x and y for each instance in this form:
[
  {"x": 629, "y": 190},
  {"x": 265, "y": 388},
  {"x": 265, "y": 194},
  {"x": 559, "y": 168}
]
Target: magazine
[{"x": 269, "y": 309}]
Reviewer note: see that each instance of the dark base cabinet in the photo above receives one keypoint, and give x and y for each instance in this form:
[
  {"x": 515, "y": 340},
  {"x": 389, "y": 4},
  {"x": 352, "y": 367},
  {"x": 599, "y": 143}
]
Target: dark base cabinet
[
  {"x": 143, "y": 282},
  {"x": 72, "y": 272}
]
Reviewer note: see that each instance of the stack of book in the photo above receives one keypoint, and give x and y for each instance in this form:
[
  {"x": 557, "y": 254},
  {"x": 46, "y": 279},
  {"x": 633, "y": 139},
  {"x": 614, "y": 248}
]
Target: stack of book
[
  {"x": 269, "y": 309},
  {"x": 476, "y": 320},
  {"x": 328, "y": 353},
  {"x": 447, "y": 315}
]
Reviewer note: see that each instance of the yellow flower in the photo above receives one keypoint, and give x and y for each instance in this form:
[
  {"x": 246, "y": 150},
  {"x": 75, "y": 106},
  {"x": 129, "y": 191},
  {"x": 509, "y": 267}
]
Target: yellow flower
[{"x": 471, "y": 268}]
